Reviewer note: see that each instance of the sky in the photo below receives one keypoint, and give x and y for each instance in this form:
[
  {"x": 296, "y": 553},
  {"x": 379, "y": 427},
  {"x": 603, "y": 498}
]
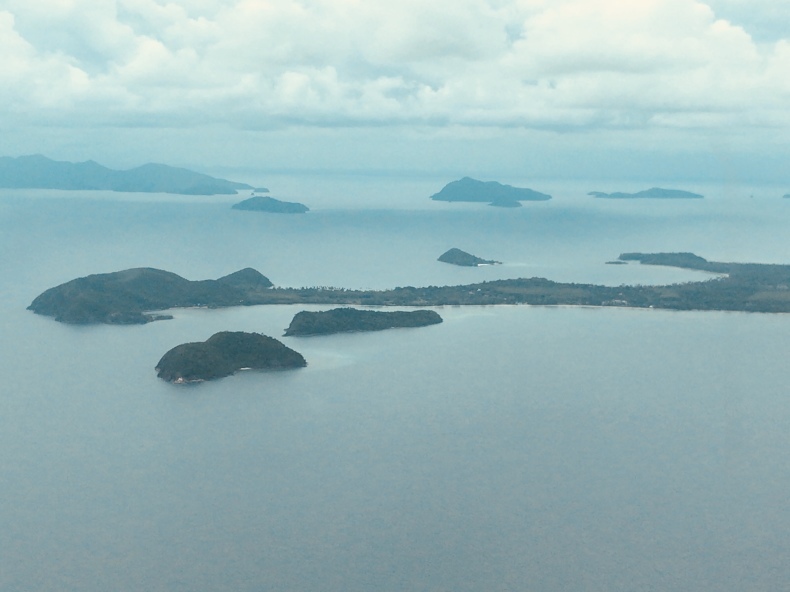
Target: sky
[{"x": 637, "y": 89}]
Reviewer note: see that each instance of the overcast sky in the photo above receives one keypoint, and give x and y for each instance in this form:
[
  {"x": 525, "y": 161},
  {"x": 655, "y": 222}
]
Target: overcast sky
[{"x": 669, "y": 88}]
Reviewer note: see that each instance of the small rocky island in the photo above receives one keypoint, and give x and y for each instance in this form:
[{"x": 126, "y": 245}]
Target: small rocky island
[
  {"x": 124, "y": 297},
  {"x": 458, "y": 257},
  {"x": 346, "y": 320},
  {"x": 496, "y": 194},
  {"x": 224, "y": 354},
  {"x": 260, "y": 203},
  {"x": 652, "y": 193}
]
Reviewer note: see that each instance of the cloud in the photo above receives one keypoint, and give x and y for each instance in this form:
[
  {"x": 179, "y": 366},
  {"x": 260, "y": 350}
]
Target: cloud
[
  {"x": 251, "y": 64},
  {"x": 764, "y": 20}
]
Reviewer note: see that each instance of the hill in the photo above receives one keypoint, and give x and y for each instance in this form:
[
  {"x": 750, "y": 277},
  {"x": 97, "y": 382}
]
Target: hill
[
  {"x": 124, "y": 297},
  {"x": 225, "y": 353},
  {"x": 40, "y": 172}
]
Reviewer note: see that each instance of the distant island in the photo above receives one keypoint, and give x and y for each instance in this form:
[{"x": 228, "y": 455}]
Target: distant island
[
  {"x": 259, "y": 203},
  {"x": 653, "y": 193},
  {"x": 40, "y": 172},
  {"x": 786, "y": 196},
  {"x": 225, "y": 353},
  {"x": 496, "y": 194},
  {"x": 124, "y": 297},
  {"x": 343, "y": 320},
  {"x": 458, "y": 257}
]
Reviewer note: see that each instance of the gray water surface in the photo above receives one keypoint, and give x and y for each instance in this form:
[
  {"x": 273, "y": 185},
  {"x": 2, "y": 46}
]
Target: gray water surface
[{"x": 508, "y": 448}]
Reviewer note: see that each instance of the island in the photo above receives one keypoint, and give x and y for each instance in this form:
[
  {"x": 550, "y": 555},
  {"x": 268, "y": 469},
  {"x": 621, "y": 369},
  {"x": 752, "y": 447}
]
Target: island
[
  {"x": 39, "y": 172},
  {"x": 495, "y": 193},
  {"x": 259, "y": 203},
  {"x": 345, "y": 320},
  {"x": 652, "y": 193},
  {"x": 125, "y": 297},
  {"x": 226, "y": 353},
  {"x": 786, "y": 196},
  {"x": 458, "y": 257}
]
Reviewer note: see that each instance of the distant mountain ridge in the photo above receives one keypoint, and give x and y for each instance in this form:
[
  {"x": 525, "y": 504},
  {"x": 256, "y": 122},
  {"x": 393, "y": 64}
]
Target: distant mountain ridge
[
  {"x": 652, "y": 193},
  {"x": 39, "y": 172}
]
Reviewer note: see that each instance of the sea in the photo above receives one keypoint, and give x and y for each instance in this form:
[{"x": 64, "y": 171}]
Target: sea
[{"x": 509, "y": 448}]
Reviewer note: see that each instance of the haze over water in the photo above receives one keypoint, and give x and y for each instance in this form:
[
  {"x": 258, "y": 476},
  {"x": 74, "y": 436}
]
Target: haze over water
[{"x": 508, "y": 448}]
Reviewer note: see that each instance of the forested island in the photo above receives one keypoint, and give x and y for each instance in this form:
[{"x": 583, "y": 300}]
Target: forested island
[
  {"x": 225, "y": 353},
  {"x": 124, "y": 297},
  {"x": 652, "y": 193},
  {"x": 495, "y": 193},
  {"x": 39, "y": 172},
  {"x": 458, "y": 257},
  {"x": 345, "y": 320},
  {"x": 260, "y": 203}
]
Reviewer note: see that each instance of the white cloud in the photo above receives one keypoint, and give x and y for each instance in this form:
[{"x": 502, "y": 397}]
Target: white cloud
[{"x": 254, "y": 63}]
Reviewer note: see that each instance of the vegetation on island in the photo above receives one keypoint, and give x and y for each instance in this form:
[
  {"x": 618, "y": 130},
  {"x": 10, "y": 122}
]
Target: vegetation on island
[
  {"x": 458, "y": 257},
  {"x": 259, "y": 203},
  {"x": 652, "y": 193},
  {"x": 225, "y": 353},
  {"x": 124, "y": 297},
  {"x": 40, "y": 172},
  {"x": 345, "y": 320},
  {"x": 496, "y": 194}
]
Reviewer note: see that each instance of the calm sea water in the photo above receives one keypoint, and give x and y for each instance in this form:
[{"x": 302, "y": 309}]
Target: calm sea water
[{"x": 509, "y": 448}]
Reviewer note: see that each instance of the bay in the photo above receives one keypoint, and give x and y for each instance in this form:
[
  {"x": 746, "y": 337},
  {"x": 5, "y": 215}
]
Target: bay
[{"x": 509, "y": 448}]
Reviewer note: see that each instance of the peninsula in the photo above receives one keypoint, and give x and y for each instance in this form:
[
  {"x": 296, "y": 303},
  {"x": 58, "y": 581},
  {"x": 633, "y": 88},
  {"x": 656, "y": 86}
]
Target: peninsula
[
  {"x": 496, "y": 194},
  {"x": 225, "y": 353},
  {"x": 124, "y": 297},
  {"x": 345, "y": 320},
  {"x": 458, "y": 257},
  {"x": 652, "y": 193},
  {"x": 40, "y": 172},
  {"x": 259, "y": 203}
]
